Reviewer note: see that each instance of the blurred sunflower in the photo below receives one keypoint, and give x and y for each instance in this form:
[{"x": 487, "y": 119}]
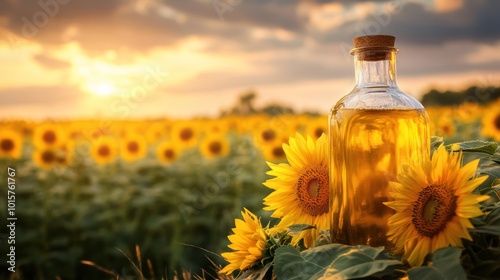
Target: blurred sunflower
[
  {"x": 301, "y": 187},
  {"x": 491, "y": 122},
  {"x": 48, "y": 135},
  {"x": 468, "y": 112},
  {"x": 317, "y": 127},
  {"x": 185, "y": 134},
  {"x": 445, "y": 127},
  {"x": 45, "y": 157},
  {"x": 11, "y": 143},
  {"x": 215, "y": 145},
  {"x": 266, "y": 135},
  {"x": 252, "y": 244},
  {"x": 273, "y": 151},
  {"x": 133, "y": 147},
  {"x": 75, "y": 132},
  {"x": 218, "y": 126},
  {"x": 167, "y": 152},
  {"x": 433, "y": 203},
  {"x": 104, "y": 150},
  {"x": 155, "y": 132}
]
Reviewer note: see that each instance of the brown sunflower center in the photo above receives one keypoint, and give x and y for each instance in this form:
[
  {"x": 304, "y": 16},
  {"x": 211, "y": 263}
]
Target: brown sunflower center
[
  {"x": 7, "y": 145},
  {"x": 318, "y": 132},
  {"x": 312, "y": 192},
  {"x": 49, "y": 137},
  {"x": 445, "y": 129},
  {"x": 169, "y": 154},
  {"x": 434, "y": 208},
  {"x": 104, "y": 151},
  {"x": 278, "y": 152},
  {"x": 268, "y": 135},
  {"x": 48, "y": 157},
  {"x": 215, "y": 147},
  {"x": 496, "y": 122},
  {"x": 132, "y": 147},
  {"x": 186, "y": 134}
]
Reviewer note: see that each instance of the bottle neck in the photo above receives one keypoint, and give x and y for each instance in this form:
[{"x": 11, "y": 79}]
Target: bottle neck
[{"x": 375, "y": 68}]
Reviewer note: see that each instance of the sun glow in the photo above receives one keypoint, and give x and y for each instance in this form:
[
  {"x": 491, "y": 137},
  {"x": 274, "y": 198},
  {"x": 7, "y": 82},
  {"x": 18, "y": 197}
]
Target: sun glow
[{"x": 101, "y": 88}]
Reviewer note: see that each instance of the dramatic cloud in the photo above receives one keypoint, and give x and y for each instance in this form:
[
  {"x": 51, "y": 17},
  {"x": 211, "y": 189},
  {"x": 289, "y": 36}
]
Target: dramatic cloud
[
  {"x": 220, "y": 48},
  {"x": 51, "y": 62}
]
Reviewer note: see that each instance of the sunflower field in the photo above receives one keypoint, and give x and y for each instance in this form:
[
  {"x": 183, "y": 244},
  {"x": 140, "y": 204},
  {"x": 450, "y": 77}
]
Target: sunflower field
[{"x": 101, "y": 199}]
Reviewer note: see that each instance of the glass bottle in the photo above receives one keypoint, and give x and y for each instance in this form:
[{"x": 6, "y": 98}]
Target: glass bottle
[{"x": 374, "y": 131}]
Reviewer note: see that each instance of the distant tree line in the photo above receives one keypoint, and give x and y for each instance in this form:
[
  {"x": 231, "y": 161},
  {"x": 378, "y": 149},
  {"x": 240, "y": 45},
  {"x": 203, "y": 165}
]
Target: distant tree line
[
  {"x": 246, "y": 102},
  {"x": 245, "y": 106},
  {"x": 474, "y": 94}
]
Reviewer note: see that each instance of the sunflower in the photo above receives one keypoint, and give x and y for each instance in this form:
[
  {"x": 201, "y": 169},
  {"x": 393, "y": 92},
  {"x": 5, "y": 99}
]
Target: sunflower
[
  {"x": 273, "y": 151},
  {"x": 491, "y": 122},
  {"x": 433, "y": 203},
  {"x": 266, "y": 135},
  {"x": 155, "y": 132},
  {"x": 133, "y": 147},
  {"x": 219, "y": 126},
  {"x": 11, "y": 144},
  {"x": 215, "y": 145},
  {"x": 45, "y": 157},
  {"x": 167, "y": 152},
  {"x": 248, "y": 242},
  {"x": 301, "y": 191},
  {"x": 468, "y": 112},
  {"x": 104, "y": 150},
  {"x": 253, "y": 244},
  {"x": 184, "y": 133},
  {"x": 317, "y": 127},
  {"x": 445, "y": 127},
  {"x": 48, "y": 136}
]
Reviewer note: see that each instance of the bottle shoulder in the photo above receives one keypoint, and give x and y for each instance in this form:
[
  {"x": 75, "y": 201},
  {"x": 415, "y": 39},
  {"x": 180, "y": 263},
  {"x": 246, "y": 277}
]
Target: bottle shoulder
[{"x": 378, "y": 98}]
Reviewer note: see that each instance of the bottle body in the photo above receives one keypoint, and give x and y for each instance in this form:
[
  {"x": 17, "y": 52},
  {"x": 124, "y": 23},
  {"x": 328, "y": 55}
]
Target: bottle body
[
  {"x": 371, "y": 149},
  {"x": 374, "y": 132}
]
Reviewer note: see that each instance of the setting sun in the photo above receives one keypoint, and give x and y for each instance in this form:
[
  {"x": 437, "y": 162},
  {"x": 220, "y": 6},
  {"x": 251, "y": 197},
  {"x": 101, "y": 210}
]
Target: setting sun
[{"x": 101, "y": 88}]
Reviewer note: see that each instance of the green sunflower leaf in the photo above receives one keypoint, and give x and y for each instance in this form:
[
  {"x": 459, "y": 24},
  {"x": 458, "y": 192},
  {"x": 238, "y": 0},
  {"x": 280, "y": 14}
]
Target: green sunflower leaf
[
  {"x": 495, "y": 183},
  {"x": 475, "y": 146},
  {"x": 333, "y": 260},
  {"x": 490, "y": 224},
  {"x": 486, "y": 270},
  {"x": 255, "y": 274},
  {"x": 296, "y": 229},
  {"x": 445, "y": 265},
  {"x": 289, "y": 263},
  {"x": 357, "y": 264},
  {"x": 496, "y": 157},
  {"x": 436, "y": 141}
]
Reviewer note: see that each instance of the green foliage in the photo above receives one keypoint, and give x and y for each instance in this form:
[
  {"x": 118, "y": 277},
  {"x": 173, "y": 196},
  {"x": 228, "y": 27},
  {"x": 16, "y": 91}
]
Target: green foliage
[
  {"x": 436, "y": 141},
  {"x": 256, "y": 273},
  {"x": 334, "y": 261},
  {"x": 445, "y": 265},
  {"x": 88, "y": 212},
  {"x": 472, "y": 94},
  {"x": 475, "y": 146},
  {"x": 296, "y": 229},
  {"x": 489, "y": 223},
  {"x": 245, "y": 106}
]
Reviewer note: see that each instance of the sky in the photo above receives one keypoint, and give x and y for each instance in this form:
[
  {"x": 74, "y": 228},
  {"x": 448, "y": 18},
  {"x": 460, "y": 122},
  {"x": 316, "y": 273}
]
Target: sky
[{"x": 68, "y": 59}]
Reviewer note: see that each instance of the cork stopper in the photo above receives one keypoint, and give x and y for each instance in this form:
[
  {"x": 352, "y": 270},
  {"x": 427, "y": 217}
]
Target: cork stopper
[
  {"x": 374, "y": 41},
  {"x": 374, "y": 47}
]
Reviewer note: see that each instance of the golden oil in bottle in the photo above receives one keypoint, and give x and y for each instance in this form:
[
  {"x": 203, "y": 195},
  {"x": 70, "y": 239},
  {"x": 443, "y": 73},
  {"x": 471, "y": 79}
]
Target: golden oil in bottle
[{"x": 372, "y": 147}]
